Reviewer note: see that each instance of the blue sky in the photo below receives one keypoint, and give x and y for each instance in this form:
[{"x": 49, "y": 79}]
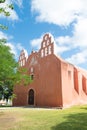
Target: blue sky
[{"x": 65, "y": 20}]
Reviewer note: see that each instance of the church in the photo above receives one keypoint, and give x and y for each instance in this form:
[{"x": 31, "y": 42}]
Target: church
[{"x": 56, "y": 83}]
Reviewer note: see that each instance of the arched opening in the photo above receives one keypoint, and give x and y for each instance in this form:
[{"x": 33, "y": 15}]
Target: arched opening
[{"x": 31, "y": 97}]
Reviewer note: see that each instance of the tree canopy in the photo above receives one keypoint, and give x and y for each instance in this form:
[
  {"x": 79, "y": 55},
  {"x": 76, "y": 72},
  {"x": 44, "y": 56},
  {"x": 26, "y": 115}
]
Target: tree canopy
[
  {"x": 7, "y": 69},
  {"x": 10, "y": 74}
]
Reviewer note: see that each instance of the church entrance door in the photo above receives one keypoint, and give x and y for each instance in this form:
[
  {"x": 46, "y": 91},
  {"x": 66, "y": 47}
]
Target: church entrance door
[{"x": 31, "y": 97}]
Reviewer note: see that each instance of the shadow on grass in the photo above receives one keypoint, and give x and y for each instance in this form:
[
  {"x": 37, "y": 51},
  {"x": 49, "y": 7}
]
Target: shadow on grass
[
  {"x": 84, "y": 108},
  {"x": 73, "y": 122}
]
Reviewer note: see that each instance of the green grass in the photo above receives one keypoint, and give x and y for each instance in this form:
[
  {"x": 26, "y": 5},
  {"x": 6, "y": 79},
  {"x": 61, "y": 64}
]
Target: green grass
[{"x": 74, "y": 118}]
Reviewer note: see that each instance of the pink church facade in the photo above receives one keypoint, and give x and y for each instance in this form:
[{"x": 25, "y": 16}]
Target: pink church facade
[{"x": 56, "y": 83}]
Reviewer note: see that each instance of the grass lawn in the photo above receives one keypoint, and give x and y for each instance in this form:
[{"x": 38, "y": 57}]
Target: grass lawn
[{"x": 74, "y": 118}]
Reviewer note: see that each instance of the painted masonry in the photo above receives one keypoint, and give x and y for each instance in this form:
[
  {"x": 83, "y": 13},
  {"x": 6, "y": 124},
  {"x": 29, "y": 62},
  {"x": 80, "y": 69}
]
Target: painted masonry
[{"x": 56, "y": 83}]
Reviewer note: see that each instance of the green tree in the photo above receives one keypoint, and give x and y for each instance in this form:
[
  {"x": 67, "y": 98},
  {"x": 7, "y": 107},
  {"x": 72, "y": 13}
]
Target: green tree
[
  {"x": 7, "y": 65},
  {"x": 10, "y": 74}
]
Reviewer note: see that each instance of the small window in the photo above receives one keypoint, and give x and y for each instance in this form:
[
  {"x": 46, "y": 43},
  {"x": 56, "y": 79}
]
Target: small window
[
  {"x": 49, "y": 49},
  {"x": 47, "y": 42},
  {"x": 42, "y": 54},
  {"x": 69, "y": 74},
  {"x": 45, "y": 51},
  {"x": 32, "y": 77},
  {"x": 84, "y": 84},
  {"x": 76, "y": 80},
  {"x": 32, "y": 69}
]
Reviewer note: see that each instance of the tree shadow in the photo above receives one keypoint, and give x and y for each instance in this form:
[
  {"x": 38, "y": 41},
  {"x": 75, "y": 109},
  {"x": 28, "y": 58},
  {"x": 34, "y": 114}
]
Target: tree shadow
[
  {"x": 84, "y": 108},
  {"x": 73, "y": 122}
]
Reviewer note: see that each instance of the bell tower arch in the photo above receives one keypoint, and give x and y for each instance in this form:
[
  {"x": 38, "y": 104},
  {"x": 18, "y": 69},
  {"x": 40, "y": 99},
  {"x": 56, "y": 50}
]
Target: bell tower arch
[{"x": 47, "y": 45}]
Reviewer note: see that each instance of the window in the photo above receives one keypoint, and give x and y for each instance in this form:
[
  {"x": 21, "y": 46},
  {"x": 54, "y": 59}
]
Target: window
[
  {"x": 69, "y": 74},
  {"x": 76, "y": 81},
  {"x": 42, "y": 54},
  {"x": 49, "y": 49},
  {"x": 84, "y": 84},
  {"x": 32, "y": 77},
  {"x": 47, "y": 42},
  {"x": 32, "y": 69},
  {"x": 45, "y": 51}
]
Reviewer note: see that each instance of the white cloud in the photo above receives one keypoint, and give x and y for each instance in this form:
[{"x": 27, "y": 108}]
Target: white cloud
[
  {"x": 63, "y": 13},
  {"x": 78, "y": 58},
  {"x": 78, "y": 40},
  {"x": 3, "y": 35},
  {"x": 59, "y": 12},
  {"x": 36, "y": 43},
  {"x": 62, "y": 44},
  {"x": 58, "y": 50},
  {"x": 80, "y": 33},
  {"x": 63, "y": 40}
]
